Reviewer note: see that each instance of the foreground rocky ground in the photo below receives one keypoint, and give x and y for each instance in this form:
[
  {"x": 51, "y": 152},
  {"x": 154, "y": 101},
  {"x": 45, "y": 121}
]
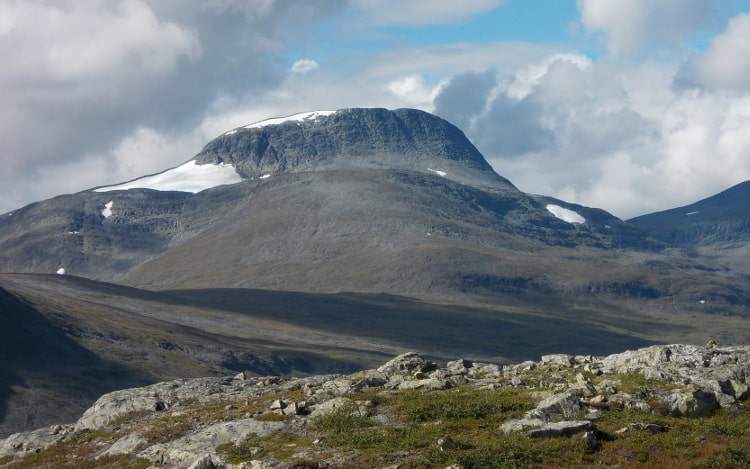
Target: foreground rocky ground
[{"x": 662, "y": 406}]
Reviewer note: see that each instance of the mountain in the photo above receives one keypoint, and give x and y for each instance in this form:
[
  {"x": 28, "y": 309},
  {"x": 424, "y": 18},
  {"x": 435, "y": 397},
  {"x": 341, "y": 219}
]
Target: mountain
[
  {"x": 718, "y": 226},
  {"x": 359, "y": 200},
  {"x": 324, "y": 242}
]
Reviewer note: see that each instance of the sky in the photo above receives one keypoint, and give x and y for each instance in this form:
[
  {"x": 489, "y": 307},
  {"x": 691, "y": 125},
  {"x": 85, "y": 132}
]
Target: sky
[{"x": 632, "y": 106}]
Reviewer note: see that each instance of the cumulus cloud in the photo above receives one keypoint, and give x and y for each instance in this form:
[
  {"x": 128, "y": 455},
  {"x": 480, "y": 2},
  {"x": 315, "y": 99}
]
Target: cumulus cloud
[
  {"x": 633, "y": 24},
  {"x": 422, "y": 12},
  {"x": 603, "y": 134},
  {"x": 726, "y": 62}
]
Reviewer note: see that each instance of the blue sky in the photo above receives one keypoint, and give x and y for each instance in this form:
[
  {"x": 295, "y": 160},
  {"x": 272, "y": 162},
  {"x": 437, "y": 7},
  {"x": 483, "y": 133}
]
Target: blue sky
[{"x": 628, "y": 105}]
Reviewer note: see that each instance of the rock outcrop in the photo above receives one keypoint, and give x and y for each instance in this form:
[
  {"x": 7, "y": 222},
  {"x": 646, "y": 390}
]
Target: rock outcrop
[{"x": 188, "y": 423}]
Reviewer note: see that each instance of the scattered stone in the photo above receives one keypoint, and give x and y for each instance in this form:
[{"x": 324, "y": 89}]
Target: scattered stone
[
  {"x": 446, "y": 443},
  {"x": 585, "y": 383},
  {"x": 207, "y": 462},
  {"x": 597, "y": 401},
  {"x": 650, "y": 427}
]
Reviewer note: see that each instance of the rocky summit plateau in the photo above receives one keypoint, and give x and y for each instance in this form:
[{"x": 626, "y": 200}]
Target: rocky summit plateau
[{"x": 329, "y": 241}]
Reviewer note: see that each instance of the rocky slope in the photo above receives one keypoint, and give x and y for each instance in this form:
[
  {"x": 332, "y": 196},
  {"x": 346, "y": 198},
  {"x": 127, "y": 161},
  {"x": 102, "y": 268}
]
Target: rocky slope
[
  {"x": 718, "y": 226},
  {"x": 665, "y": 406}
]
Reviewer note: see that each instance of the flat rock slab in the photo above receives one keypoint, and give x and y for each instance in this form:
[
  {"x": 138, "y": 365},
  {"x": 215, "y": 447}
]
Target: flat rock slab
[
  {"x": 186, "y": 449},
  {"x": 565, "y": 428}
]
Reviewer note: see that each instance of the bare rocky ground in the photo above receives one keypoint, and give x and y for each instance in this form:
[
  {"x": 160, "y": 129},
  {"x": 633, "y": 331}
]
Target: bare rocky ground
[{"x": 661, "y": 406}]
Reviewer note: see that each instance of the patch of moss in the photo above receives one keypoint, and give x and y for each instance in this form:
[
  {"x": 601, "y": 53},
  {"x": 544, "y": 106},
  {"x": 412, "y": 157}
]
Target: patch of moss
[
  {"x": 271, "y": 417},
  {"x": 167, "y": 431},
  {"x": 341, "y": 420},
  {"x": 463, "y": 403},
  {"x": 278, "y": 444}
]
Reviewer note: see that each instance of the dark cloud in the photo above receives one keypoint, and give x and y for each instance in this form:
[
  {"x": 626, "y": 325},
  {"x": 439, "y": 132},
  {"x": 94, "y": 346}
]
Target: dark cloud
[
  {"x": 512, "y": 127},
  {"x": 464, "y": 97}
]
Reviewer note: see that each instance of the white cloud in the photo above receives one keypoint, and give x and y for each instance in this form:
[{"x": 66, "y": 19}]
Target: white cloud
[
  {"x": 423, "y": 12},
  {"x": 90, "y": 40},
  {"x": 146, "y": 151},
  {"x": 604, "y": 134},
  {"x": 633, "y": 24},
  {"x": 413, "y": 92},
  {"x": 304, "y": 66},
  {"x": 726, "y": 62}
]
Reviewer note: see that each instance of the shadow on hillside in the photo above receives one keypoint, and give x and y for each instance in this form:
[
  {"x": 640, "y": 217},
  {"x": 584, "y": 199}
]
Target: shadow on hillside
[
  {"x": 453, "y": 330},
  {"x": 44, "y": 371}
]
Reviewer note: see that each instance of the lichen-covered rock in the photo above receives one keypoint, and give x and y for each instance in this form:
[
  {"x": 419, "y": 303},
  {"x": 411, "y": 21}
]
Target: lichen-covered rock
[
  {"x": 126, "y": 444},
  {"x": 563, "y": 406},
  {"x": 519, "y": 425},
  {"x": 566, "y": 428},
  {"x": 186, "y": 449},
  {"x": 696, "y": 403},
  {"x": 27, "y": 442},
  {"x": 407, "y": 363}
]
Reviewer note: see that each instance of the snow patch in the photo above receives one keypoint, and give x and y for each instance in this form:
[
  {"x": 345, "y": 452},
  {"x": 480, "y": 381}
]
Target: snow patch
[
  {"x": 107, "y": 212},
  {"x": 189, "y": 177},
  {"x": 565, "y": 215},
  {"x": 693, "y": 213},
  {"x": 301, "y": 117},
  {"x": 265, "y": 176},
  {"x": 438, "y": 172},
  {"x": 60, "y": 271}
]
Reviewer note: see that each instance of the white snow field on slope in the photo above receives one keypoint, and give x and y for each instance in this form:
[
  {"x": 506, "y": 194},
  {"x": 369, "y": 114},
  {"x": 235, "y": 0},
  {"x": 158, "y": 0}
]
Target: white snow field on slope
[
  {"x": 107, "y": 212},
  {"x": 301, "y": 117},
  {"x": 189, "y": 177},
  {"x": 565, "y": 215}
]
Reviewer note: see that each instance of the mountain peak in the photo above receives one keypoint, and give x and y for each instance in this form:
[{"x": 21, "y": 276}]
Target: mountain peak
[{"x": 353, "y": 139}]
